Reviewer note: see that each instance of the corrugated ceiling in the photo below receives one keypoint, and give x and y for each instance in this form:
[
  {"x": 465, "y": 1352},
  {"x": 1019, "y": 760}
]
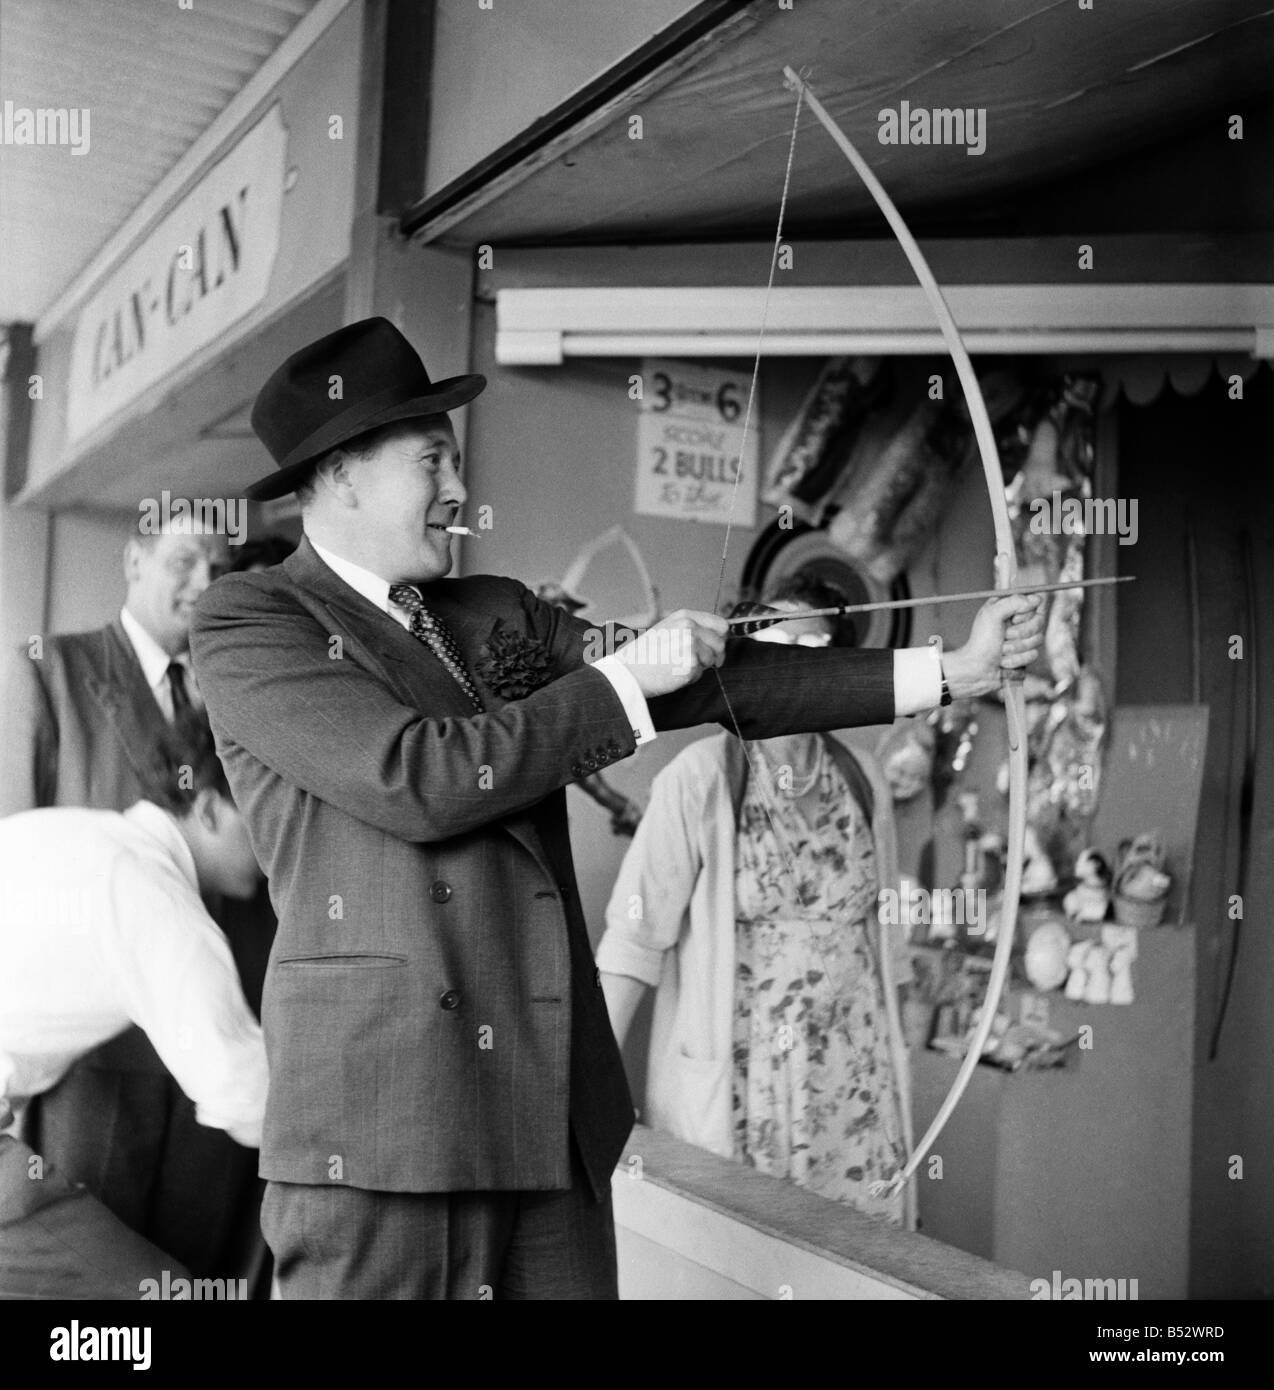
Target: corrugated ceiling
[
  {"x": 153, "y": 76},
  {"x": 1065, "y": 90}
]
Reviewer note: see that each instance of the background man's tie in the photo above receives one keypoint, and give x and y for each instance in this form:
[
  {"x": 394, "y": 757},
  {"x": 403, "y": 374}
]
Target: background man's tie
[
  {"x": 177, "y": 684},
  {"x": 434, "y": 633}
]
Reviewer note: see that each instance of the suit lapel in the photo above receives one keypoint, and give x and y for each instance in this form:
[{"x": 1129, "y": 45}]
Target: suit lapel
[
  {"x": 408, "y": 665},
  {"x": 125, "y": 700},
  {"x": 405, "y": 662}
]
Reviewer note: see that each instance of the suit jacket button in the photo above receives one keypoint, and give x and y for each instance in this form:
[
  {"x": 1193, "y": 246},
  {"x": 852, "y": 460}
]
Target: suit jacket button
[
  {"x": 439, "y": 891},
  {"x": 450, "y": 1000}
]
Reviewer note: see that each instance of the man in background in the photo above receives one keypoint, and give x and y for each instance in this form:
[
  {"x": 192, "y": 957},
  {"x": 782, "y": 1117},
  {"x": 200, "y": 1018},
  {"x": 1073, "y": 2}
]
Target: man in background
[
  {"x": 102, "y": 926},
  {"x": 82, "y": 713}
]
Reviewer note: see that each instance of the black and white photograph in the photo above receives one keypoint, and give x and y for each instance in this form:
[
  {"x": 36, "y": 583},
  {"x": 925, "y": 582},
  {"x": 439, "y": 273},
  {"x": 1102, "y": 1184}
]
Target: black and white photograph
[{"x": 631, "y": 666}]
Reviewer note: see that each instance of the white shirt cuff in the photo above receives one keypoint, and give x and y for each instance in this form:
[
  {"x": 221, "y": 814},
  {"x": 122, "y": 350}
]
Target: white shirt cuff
[
  {"x": 917, "y": 680},
  {"x": 624, "y": 684}
]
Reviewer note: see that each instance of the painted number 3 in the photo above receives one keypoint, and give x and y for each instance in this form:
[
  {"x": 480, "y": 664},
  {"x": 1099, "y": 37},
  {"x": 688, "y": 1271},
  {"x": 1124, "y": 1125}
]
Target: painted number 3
[{"x": 726, "y": 402}]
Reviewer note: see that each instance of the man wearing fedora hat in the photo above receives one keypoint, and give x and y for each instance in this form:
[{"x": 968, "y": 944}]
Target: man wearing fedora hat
[{"x": 447, "y": 1102}]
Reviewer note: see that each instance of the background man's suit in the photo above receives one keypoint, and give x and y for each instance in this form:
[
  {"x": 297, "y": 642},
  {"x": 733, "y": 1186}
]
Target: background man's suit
[
  {"x": 433, "y": 1017},
  {"x": 79, "y": 727}
]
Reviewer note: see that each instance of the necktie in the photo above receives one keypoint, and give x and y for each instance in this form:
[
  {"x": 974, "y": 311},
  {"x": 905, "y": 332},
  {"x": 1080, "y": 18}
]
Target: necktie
[
  {"x": 177, "y": 684},
  {"x": 433, "y": 632}
]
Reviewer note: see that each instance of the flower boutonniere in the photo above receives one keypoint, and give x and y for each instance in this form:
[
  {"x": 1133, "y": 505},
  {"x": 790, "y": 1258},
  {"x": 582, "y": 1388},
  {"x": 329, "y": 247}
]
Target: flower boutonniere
[{"x": 513, "y": 665}]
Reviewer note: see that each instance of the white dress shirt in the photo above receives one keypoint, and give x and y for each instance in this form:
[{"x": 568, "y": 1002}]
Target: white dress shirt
[
  {"x": 155, "y": 661},
  {"x": 376, "y": 590},
  {"x": 102, "y": 925},
  {"x": 917, "y": 679}
]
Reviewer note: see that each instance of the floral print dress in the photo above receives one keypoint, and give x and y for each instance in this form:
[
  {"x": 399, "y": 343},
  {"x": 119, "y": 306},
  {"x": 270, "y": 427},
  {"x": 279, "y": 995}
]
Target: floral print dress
[{"x": 815, "y": 1095}]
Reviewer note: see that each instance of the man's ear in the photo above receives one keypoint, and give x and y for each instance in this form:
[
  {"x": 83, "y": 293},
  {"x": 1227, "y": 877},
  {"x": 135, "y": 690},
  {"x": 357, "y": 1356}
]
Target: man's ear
[
  {"x": 334, "y": 475},
  {"x": 132, "y": 560},
  {"x": 207, "y": 809}
]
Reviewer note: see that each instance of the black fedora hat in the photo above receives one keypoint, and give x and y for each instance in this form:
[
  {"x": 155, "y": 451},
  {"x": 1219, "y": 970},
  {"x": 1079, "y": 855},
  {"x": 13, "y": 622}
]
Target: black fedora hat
[{"x": 377, "y": 377}]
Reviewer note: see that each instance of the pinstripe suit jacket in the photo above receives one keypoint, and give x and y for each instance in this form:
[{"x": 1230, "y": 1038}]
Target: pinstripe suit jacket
[{"x": 433, "y": 1017}]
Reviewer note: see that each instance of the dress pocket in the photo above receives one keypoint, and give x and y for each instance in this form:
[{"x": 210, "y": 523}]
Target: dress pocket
[{"x": 692, "y": 1101}]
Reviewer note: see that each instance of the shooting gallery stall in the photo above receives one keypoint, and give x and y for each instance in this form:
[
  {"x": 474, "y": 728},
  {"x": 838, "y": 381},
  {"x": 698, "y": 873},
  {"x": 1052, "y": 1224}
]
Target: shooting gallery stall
[
  {"x": 621, "y": 379},
  {"x": 585, "y": 213},
  {"x": 149, "y": 360},
  {"x": 623, "y": 233}
]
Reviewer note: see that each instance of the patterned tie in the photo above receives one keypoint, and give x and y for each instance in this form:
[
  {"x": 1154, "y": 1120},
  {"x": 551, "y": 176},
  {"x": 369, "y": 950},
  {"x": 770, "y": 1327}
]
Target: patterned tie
[
  {"x": 433, "y": 632},
  {"x": 177, "y": 684}
]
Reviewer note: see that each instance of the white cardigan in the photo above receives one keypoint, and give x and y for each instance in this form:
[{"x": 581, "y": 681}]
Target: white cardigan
[{"x": 676, "y": 889}]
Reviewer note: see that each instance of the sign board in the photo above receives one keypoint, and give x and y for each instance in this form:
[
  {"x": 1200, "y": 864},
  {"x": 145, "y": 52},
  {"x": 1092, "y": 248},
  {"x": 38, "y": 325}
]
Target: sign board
[
  {"x": 204, "y": 267},
  {"x": 689, "y": 438}
]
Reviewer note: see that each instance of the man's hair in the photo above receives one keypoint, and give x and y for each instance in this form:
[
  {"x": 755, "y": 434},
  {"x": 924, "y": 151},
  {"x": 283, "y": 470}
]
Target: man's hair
[
  {"x": 183, "y": 764},
  {"x": 305, "y": 489},
  {"x": 811, "y": 592},
  {"x": 361, "y": 446}
]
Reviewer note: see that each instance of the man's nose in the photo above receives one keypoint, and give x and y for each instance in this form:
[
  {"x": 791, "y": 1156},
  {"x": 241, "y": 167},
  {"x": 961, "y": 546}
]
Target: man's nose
[{"x": 453, "y": 490}]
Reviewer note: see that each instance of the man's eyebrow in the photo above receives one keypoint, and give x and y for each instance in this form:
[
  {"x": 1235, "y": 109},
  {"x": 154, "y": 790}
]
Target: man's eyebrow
[{"x": 439, "y": 446}]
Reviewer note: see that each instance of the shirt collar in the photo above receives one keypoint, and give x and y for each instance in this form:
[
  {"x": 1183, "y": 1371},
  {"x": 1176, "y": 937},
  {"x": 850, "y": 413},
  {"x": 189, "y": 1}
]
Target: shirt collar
[
  {"x": 363, "y": 581},
  {"x": 161, "y": 825},
  {"x": 154, "y": 660}
]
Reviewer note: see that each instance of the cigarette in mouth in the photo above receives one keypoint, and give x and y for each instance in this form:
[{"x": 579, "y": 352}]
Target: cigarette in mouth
[{"x": 459, "y": 531}]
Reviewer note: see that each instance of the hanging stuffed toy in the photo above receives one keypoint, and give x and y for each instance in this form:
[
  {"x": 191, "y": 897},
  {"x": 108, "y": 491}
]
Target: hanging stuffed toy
[
  {"x": 1054, "y": 473},
  {"x": 892, "y": 504},
  {"x": 816, "y": 446}
]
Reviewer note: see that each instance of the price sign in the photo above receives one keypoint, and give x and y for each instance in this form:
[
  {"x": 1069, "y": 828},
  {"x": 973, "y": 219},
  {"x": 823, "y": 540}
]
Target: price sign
[{"x": 688, "y": 444}]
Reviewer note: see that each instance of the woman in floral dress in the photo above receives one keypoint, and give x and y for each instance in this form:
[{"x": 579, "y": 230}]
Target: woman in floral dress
[{"x": 749, "y": 899}]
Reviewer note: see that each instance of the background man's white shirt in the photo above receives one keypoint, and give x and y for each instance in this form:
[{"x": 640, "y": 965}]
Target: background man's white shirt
[
  {"x": 102, "y": 925},
  {"x": 154, "y": 661}
]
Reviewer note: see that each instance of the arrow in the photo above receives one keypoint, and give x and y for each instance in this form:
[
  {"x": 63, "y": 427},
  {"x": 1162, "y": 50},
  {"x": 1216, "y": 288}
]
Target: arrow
[{"x": 767, "y": 617}]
